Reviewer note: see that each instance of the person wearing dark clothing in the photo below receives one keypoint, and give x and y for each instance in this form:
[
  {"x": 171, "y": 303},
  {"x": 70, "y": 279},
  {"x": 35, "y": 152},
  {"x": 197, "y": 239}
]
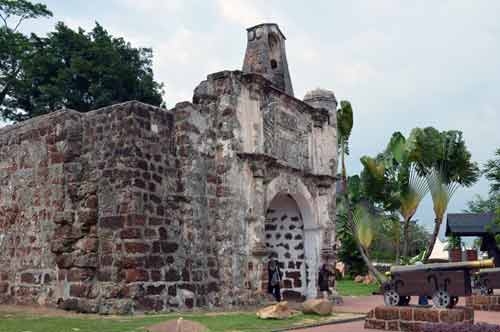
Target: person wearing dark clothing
[
  {"x": 275, "y": 276},
  {"x": 324, "y": 280}
]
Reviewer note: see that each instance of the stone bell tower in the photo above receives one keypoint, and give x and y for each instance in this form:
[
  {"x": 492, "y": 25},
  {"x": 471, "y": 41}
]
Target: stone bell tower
[{"x": 266, "y": 55}]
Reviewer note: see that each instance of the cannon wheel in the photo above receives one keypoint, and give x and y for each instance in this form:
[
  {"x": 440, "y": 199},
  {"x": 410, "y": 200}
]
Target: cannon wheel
[
  {"x": 484, "y": 290},
  {"x": 391, "y": 298},
  {"x": 404, "y": 300},
  {"x": 441, "y": 299},
  {"x": 454, "y": 301}
]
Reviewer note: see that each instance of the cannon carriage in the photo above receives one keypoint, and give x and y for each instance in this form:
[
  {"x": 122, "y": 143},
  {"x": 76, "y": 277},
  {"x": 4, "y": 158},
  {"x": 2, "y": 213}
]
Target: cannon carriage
[
  {"x": 443, "y": 282},
  {"x": 486, "y": 280}
]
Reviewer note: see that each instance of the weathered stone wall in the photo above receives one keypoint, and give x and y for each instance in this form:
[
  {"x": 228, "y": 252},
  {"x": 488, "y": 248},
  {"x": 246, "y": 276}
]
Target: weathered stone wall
[
  {"x": 131, "y": 154},
  {"x": 89, "y": 211},
  {"x": 198, "y": 189},
  {"x": 250, "y": 154},
  {"x": 133, "y": 207},
  {"x": 33, "y": 192}
]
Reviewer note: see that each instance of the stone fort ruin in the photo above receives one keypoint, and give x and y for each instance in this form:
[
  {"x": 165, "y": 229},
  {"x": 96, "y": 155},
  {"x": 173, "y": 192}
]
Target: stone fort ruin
[{"x": 134, "y": 207}]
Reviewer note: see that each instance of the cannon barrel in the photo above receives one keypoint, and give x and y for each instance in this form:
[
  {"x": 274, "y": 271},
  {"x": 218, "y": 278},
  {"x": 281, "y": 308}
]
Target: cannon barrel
[
  {"x": 493, "y": 270},
  {"x": 482, "y": 264}
]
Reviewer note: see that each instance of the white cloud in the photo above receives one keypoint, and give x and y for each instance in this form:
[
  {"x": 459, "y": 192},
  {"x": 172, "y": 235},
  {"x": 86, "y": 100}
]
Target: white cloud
[
  {"x": 154, "y": 6},
  {"x": 179, "y": 49},
  {"x": 240, "y": 12},
  {"x": 249, "y": 13},
  {"x": 354, "y": 73}
]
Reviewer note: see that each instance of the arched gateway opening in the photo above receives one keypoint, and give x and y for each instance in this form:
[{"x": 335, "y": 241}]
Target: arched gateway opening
[{"x": 285, "y": 240}]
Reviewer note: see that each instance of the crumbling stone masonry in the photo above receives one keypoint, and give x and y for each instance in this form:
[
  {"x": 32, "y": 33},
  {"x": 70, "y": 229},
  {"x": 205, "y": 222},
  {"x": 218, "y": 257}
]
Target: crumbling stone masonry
[{"x": 137, "y": 208}]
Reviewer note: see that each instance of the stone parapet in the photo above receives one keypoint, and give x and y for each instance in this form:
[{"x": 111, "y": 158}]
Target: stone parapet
[
  {"x": 483, "y": 302},
  {"x": 412, "y": 318}
]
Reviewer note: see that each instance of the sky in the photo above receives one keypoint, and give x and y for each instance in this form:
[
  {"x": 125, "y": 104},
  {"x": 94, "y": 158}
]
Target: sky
[{"x": 401, "y": 64}]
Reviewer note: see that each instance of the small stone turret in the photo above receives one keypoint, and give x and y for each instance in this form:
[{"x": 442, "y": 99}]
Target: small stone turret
[
  {"x": 266, "y": 55},
  {"x": 321, "y": 98}
]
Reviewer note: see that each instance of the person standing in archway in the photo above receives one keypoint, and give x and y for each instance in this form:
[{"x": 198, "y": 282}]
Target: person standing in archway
[{"x": 275, "y": 277}]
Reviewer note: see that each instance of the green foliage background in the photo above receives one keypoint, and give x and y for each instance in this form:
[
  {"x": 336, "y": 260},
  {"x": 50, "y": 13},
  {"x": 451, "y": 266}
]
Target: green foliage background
[{"x": 67, "y": 68}]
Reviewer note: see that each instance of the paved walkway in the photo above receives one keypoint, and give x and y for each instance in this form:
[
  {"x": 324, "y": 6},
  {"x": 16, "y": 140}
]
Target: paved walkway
[{"x": 364, "y": 304}]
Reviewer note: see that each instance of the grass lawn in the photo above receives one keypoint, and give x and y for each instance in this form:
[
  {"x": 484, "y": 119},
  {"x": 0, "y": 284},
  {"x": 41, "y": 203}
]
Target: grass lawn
[
  {"x": 234, "y": 322},
  {"x": 351, "y": 288},
  {"x": 216, "y": 322}
]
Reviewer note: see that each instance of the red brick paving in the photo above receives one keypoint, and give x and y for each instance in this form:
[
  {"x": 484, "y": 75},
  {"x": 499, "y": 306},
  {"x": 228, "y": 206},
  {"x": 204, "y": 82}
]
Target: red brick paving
[{"x": 363, "y": 304}]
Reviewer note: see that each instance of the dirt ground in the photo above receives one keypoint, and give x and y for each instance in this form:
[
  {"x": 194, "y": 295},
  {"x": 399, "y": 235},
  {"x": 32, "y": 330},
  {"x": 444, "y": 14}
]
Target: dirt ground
[{"x": 6, "y": 309}]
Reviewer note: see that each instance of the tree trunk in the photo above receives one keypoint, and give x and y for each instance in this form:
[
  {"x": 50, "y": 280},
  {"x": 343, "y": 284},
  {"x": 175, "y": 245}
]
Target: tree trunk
[
  {"x": 376, "y": 273},
  {"x": 398, "y": 245},
  {"x": 432, "y": 242},
  {"x": 343, "y": 172},
  {"x": 406, "y": 236},
  {"x": 379, "y": 276}
]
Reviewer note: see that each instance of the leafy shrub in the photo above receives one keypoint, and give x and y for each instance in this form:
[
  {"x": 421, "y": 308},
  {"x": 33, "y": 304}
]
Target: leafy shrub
[{"x": 461, "y": 327}]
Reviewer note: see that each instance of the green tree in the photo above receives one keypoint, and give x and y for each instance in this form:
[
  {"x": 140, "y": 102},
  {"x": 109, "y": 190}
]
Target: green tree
[
  {"x": 20, "y": 10},
  {"x": 15, "y": 47},
  {"x": 447, "y": 167},
  {"x": 392, "y": 180},
  {"x": 348, "y": 252},
  {"x": 391, "y": 233},
  {"x": 356, "y": 223},
  {"x": 492, "y": 172},
  {"x": 348, "y": 200},
  {"x": 418, "y": 239},
  {"x": 81, "y": 71},
  {"x": 344, "y": 128},
  {"x": 480, "y": 205}
]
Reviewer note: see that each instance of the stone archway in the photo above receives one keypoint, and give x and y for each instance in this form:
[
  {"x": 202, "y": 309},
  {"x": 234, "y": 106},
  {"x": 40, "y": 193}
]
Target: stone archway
[
  {"x": 284, "y": 236},
  {"x": 293, "y": 234}
]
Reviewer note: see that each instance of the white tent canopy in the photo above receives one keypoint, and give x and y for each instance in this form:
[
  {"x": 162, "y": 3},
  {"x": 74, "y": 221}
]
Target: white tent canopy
[{"x": 439, "y": 251}]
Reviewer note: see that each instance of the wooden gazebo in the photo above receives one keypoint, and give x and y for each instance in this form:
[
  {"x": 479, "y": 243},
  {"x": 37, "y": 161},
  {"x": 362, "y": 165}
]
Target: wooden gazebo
[{"x": 476, "y": 224}]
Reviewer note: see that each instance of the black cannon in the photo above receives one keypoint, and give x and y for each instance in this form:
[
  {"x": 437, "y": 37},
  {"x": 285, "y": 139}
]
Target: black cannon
[
  {"x": 487, "y": 280},
  {"x": 443, "y": 282}
]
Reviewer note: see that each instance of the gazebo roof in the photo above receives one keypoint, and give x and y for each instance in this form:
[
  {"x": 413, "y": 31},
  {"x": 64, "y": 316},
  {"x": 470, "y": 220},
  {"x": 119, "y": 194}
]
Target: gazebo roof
[{"x": 471, "y": 224}]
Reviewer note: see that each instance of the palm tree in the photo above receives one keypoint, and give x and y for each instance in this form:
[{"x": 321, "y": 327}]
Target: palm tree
[
  {"x": 448, "y": 166},
  {"x": 410, "y": 199},
  {"x": 441, "y": 193},
  {"x": 492, "y": 172},
  {"x": 362, "y": 229},
  {"x": 344, "y": 128},
  {"x": 355, "y": 222},
  {"x": 392, "y": 179},
  {"x": 412, "y": 187}
]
